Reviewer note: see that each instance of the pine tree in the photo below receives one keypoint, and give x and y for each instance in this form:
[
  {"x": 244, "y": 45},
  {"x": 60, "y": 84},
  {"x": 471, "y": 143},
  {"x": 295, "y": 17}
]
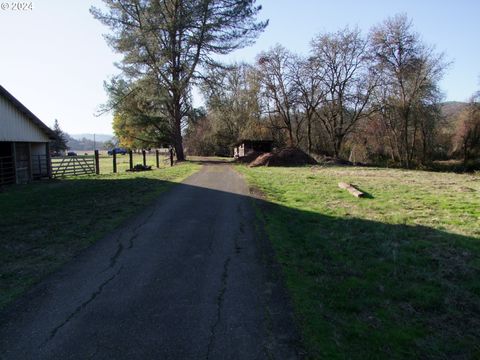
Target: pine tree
[{"x": 60, "y": 143}]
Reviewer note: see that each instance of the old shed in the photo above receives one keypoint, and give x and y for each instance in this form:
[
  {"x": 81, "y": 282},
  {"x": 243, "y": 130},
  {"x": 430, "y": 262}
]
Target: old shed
[
  {"x": 243, "y": 147},
  {"x": 24, "y": 142}
]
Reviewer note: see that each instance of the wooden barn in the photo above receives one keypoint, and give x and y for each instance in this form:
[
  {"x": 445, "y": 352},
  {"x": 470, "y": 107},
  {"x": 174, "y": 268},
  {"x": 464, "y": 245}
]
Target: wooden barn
[
  {"x": 24, "y": 143},
  {"x": 243, "y": 147}
]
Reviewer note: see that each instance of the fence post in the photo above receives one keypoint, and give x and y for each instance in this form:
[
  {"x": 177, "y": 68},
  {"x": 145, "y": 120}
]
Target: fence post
[
  {"x": 144, "y": 158},
  {"x": 39, "y": 166},
  {"x": 49, "y": 162},
  {"x": 158, "y": 160},
  {"x": 171, "y": 156},
  {"x": 97, "y": 163},
  {"x": 130, "y": 155},
  {"x": 114, "y": 161}
]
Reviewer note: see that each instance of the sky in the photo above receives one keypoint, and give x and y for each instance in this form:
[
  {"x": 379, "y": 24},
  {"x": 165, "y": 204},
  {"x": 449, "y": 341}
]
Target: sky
[{"x": 54, "y": 59}]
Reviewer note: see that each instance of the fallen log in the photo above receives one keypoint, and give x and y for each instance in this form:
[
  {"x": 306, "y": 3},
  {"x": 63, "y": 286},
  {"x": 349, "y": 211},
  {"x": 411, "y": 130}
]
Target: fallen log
[{"x": 351, "y": 189}]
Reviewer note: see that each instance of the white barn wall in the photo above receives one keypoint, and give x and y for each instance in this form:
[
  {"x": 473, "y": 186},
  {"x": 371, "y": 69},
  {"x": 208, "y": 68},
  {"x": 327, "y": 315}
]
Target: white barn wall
[{"x": 14, "y": 126}]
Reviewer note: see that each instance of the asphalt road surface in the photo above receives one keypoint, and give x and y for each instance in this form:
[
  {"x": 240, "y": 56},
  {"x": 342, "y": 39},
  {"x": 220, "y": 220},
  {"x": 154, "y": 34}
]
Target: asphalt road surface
[{"x": 190, "y": 277}]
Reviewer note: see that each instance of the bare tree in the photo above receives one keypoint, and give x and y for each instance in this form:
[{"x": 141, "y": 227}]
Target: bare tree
[
  {"x": 232, "y": 96},
  {"x": 410, "y": 72},
  {"x": 467, "y": 138},
  {"x": 344, "y": 60},
  {"x": 308, "y": 77},
  {"x": 280, "y": 91}
]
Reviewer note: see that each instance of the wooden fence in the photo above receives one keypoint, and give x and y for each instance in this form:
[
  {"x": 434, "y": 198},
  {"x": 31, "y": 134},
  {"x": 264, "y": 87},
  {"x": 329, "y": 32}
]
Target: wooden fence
[
  {"x": 166, "y": 153},
  {"x": 43, "y": 166},
  {"x": 73, "y": 165}
]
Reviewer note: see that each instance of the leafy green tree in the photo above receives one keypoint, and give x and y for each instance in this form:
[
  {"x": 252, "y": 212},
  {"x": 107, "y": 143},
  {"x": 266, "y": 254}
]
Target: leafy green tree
[
  {"x": 60, "y": 143},
  {"x": 138, "y": 120},
  {"x": 168, "y": 41}
]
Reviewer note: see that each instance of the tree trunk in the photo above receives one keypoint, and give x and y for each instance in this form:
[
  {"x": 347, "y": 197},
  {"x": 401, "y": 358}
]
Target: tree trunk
[
  {"x": 291, "y": 142},
  {"x": 179, "y": 148},
  {"x": 337, "y": 145},
  {"x": 177, "y": 138},
  {"x": 309, "y": 135},
  {"x": 465, "y": 154}
]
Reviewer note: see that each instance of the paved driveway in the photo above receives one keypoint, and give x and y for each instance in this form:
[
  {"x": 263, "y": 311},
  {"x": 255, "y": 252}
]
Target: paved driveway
[{"x": 189, "y": 278}]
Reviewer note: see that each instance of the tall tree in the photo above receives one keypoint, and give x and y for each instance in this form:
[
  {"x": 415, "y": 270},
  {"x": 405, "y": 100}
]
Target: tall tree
[
  {"x": 168, "y": 40},
  {"x": 467, "y": 138},
  {"x": 138, "y": 120},
  {"x": 60, "y": 143},
  {"x": 308, "y": 76},
  {"x": 280, "y": 92},
  {"x": 232, "y": 98},
  {"x": 410, "y": 72},
  {"x": 345, "y": 62}
]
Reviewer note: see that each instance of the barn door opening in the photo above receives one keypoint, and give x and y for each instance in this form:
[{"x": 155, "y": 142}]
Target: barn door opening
[
  {"x": 7, "y": 165},
  {"x": 22, "y": 162}
]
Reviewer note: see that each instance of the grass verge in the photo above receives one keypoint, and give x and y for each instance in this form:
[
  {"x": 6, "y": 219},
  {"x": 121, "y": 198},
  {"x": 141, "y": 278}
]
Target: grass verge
[
  {"x": 395, "y": 276},
  {"x": 45, "y": 224}
]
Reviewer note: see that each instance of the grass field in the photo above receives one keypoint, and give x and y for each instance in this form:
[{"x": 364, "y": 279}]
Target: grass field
[
  {"x": 47, "y": 223},
  {"x": 392, "y": 276},
  {"x": 123, "y": 162}
]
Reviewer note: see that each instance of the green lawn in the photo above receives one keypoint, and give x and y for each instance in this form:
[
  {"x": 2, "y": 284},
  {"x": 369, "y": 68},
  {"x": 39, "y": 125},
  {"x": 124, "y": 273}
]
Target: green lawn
[
  {"x": 392, "y": 276},
  {"x": 45, "y": 224}
]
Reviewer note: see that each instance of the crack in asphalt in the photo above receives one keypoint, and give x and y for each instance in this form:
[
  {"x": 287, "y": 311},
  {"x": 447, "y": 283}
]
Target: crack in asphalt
[
  {"x": 120, "y": 247},
  {"x": 113, "y": 262},
  {"x": 241, "y": 230},
  {"x": 114, "y": 258},
  {"x": 79, "y": 308},
  {"x": 220, "y": 298}
]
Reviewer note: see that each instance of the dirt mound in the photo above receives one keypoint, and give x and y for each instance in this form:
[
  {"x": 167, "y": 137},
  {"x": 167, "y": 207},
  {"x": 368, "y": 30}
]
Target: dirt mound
[
  {"x": 284, "y": 157},
  {"x": 247, "y": 159}
]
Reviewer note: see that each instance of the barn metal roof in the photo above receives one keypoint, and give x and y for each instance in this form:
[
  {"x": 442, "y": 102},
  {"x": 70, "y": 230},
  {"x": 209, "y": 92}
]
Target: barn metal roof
[{"x": 23, "y": 109}]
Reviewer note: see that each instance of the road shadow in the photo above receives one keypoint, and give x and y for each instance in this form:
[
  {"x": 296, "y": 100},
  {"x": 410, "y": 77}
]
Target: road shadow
[{"x": 358, "y": 287}]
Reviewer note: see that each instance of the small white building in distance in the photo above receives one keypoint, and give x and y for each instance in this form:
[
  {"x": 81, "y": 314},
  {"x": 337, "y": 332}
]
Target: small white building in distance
[{"x": 24, "y": 143}]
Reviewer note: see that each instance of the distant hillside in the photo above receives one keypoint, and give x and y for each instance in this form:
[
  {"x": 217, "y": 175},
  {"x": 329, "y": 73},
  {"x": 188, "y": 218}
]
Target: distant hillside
[
  {"x": 451, "y": 109},
  {"x": 98, "y": 137},
  {"x": 84, "y": 144}
]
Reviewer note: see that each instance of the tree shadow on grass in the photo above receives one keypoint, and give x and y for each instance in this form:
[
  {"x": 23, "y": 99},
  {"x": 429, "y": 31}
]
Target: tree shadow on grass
[
  {"x": 360, "y": 288},
  {"x": 366, "y": 289}
]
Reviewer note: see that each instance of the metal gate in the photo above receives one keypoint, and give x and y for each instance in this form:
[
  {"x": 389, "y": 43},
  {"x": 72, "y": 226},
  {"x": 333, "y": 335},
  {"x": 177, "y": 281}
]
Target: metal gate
[{"x": 72, "y": 166}]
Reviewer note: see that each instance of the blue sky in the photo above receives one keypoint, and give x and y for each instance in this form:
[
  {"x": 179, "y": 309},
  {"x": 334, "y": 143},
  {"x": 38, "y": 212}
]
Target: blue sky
[{"x": 55, "y": 60}]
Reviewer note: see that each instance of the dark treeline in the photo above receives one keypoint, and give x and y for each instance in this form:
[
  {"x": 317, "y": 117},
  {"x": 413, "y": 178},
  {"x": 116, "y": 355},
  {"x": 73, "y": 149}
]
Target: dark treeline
[{"x": 371, "y": 98}]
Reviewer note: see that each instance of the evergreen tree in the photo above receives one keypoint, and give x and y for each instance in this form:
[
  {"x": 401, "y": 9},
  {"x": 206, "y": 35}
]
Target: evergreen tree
[{"x": 60, "y": 143}]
